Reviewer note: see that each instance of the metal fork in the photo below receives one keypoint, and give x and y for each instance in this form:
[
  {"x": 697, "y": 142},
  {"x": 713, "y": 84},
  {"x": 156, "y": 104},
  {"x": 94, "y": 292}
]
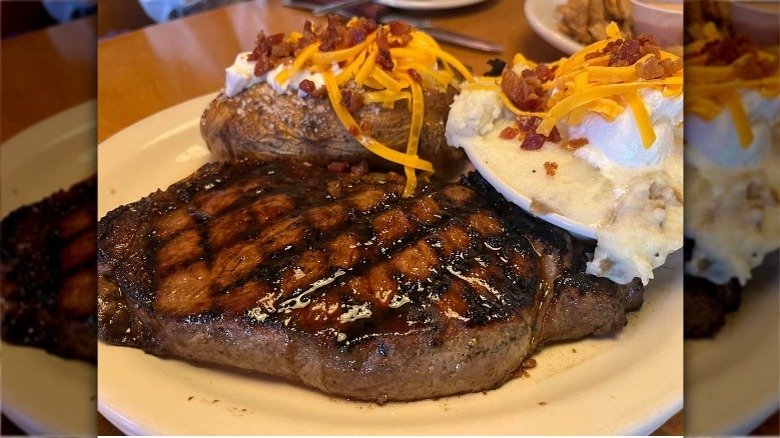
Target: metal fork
[{"x": 444, "y": 35}]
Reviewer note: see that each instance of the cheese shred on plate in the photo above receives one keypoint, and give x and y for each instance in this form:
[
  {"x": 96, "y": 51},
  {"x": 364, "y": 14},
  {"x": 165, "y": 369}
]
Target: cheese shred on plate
[{"x": 586, "y": 82}]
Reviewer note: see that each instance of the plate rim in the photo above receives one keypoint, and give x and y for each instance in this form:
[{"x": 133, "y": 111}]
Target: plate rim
[
  {"x": 736, "y": 328},
  {"x": 429, "y": 5},
  {"x": 533, "y": 12},
  {"x": 26, "y": 146},
  {"x": 43, "y": 135},
  {"x": 574, "y": 227}
]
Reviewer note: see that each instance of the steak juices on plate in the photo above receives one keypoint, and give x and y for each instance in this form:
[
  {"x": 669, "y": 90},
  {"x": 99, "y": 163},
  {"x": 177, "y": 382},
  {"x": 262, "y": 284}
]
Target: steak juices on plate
[{"x": 335, "y": 276}]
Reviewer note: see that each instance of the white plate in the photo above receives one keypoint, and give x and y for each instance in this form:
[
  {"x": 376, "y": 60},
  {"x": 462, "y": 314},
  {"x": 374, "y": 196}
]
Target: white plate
[
  {"x": 42, "y": 393},
  {"x": 629, "y": 384},
  {"x": 544, "y": 20},
  {"x": 731, "y": 380},
  {"x": 502, "y": 178},
  {"x": 53, "y": 154},
  {"x": 427, "y": 4}
]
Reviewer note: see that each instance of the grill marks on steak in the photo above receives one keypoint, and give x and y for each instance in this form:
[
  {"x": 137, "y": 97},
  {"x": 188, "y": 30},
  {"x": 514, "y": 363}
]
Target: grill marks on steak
[
  {"x": 48, "y": 273},
  {"x": 337, "y": 281},
  {"x": 238, "y": 241}
]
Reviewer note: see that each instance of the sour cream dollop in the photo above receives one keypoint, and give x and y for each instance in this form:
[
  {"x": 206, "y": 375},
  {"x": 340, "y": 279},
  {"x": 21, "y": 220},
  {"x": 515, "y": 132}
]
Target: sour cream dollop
[
  {"x": 717, "y": 140},
  {"x": 619, "y": 142},
  {"x": 240, "y": 76}
]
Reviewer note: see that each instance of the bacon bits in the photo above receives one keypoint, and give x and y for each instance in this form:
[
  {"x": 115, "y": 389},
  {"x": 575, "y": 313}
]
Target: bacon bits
[
  {"x": 383, "y": 58},
  {"x": 525, "y": 92},
  {"x": 532, "y": 142},
  {"x": 402, "y": 31},
  {"x": 269, "y": 51},
  {"x": 728, "y": 50},
  {"x": 626, "y": 52},
  {"x": 509, "y": 133},
  {"x": 338, "y": 166},
  {"x": 652, "y": 68},
  {"x": 550, "y": 167},
  {"x": 414, "y": 75},
  {"x": 311, "y": 89},
  {"x": 353, "y": 100},
  {"x": 529, "y": 124},
  {"x": 733, "y": 51}
]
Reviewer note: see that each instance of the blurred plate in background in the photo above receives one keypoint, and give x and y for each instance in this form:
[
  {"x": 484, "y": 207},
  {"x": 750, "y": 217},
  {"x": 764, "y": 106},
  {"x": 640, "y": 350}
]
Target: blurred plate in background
[{"x": 427, "y": 4}]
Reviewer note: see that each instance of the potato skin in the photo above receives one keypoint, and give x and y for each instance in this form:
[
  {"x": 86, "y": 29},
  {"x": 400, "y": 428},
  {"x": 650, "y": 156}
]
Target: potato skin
[{"x": 259, "y": 122}]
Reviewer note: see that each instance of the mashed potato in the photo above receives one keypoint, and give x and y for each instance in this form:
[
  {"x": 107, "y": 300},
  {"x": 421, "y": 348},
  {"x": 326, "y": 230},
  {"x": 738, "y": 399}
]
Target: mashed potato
[
  {"x": 631, "y": 196},
  {"x": 732, "y": 154},
  {"x": 733, "y": 212},
  {"x": 595, "y": 138}
]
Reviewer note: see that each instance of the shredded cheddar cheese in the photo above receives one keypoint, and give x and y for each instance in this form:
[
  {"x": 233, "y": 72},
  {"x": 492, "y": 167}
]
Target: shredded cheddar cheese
[
  {"x": 419, "y": 58},
  {"x": 646, "y": 131},
  {"x": 371, "y": 144},
  {"x": 418, "y": 106},
  {"x": 714, "y": 88},
  {"x": 584, "y": 82}
]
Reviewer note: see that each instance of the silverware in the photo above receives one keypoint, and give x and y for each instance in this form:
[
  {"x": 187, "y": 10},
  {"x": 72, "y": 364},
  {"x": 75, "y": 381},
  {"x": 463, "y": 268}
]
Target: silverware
[
  {"x": 299, "y": 4},
  {"x": 447, "y": 36}
]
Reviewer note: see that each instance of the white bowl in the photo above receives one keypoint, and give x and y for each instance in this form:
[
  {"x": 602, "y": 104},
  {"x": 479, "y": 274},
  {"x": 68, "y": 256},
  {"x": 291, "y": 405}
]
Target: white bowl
[
  {"x": 760, "y": 20},
  {"x": 662, "y": 19}
]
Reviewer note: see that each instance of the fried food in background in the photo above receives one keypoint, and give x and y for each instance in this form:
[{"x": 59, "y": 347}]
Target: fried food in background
[
  {"x": 704, "y": 11},
  {"x": 591, "y": 26}
]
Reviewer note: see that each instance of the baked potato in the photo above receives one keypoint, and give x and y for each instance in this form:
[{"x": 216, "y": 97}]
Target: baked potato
[
  {"x": 261, "y": 122},
  {"x": 379, "y": 87}
]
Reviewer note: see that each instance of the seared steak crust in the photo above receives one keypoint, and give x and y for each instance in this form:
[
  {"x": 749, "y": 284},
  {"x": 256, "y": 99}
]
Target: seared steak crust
[
  {"x": 705, "y": 303},
  {"x": 338, "y": 282},
  {"x": 49, "y": 279}
]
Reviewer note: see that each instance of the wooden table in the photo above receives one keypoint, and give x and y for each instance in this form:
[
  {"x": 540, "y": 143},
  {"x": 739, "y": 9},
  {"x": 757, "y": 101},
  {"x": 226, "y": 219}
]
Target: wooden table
[
  {"x": 46, "y": 72},
  {"x": 43, "y": 73},
  {"x": 148, "y": 70}
]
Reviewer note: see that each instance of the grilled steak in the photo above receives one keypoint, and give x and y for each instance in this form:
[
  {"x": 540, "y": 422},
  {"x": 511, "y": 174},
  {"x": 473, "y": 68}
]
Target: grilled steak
[
  {"x": 49, "y": 278},
  {"x": 338, "y": 282},
  {"x": 259, "y": 122},
  {"x": 706, "y": 304}
]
